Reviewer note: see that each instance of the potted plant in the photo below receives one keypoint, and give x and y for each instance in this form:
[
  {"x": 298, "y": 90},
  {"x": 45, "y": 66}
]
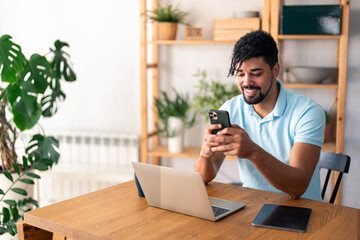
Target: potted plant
[
  {"x": 30, "y": 89},
  {"x": 174, "y": 117},
  {"x": 211, "y": 94},
  {"x": 168, "y": 19}
]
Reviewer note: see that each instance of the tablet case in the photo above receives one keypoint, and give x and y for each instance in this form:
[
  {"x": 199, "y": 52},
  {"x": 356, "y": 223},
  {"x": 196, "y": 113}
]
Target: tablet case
[{"x": 283, "y": 217}]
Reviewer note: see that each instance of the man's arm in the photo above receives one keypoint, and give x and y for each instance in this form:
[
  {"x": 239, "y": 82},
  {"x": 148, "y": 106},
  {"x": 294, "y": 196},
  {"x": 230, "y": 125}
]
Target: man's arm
[
  {"x": 292, "y": 179},
  {"x": 209, "y": 163}
]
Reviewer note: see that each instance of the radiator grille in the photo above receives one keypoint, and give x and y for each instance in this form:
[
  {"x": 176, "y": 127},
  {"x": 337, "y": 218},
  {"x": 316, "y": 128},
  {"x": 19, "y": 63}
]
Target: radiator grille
[{"x": 88, "y": 162}]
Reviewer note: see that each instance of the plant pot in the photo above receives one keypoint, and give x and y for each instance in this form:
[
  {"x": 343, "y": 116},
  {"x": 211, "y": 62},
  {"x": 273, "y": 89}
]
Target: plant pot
[
  {"x": 175, "y": 144},
  {"x": 167, "y": 30}
]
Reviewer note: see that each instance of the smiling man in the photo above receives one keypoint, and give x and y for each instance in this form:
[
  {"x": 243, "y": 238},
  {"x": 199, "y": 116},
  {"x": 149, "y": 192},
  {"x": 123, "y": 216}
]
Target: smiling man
[{"x": 276, "y": 134}]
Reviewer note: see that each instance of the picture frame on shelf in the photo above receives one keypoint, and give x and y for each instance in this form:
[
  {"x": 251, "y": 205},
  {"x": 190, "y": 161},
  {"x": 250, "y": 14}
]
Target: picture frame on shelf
[{"x": 194, "y": 33}]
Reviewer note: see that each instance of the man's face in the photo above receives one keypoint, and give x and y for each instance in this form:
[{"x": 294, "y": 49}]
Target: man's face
[{"x": 255, "y": 79}]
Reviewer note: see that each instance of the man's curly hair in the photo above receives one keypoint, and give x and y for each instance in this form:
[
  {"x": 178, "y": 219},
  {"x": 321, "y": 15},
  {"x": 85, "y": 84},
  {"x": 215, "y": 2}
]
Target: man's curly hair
[{"x": 254, "y": 44}]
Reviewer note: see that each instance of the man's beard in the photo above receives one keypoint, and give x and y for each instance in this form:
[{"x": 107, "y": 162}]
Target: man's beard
[{"x": 259, "y": 98}]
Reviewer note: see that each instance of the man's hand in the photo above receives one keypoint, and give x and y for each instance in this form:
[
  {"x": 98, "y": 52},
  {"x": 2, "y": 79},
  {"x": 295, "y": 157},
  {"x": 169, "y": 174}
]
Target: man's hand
[
  {"x": 206, "y": 145},
  {"x": 232, "y": 141},
  {"x": 209, "y": 162}
]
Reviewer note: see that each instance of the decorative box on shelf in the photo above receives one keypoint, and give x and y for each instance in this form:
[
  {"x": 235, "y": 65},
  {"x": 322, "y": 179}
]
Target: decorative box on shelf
[
  {"x": 311, "y": 20},
  {"x": 234, "y": 28},
  {"x": 193, "y": 33}
]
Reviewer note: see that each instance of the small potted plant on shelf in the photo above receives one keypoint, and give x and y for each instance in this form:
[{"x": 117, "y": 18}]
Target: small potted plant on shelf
[
  {"x": 30, "y": 89},
  {"x": 168, "y": 18},
  {"x": 211, "y": 94},
  {"x": 174, "y": 118}
]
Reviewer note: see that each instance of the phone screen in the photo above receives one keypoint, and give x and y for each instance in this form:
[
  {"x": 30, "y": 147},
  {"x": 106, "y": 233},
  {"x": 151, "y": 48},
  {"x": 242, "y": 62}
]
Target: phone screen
[{"x": 219, "y": 117}]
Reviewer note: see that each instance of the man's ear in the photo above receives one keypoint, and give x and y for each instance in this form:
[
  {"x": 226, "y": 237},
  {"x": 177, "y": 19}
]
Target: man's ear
[{"x": 276, "y": 70}]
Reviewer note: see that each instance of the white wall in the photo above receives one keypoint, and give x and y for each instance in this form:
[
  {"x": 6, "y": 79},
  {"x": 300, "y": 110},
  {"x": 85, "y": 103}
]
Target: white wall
[
  {"x": 104, "y": 48},
  {"x": 104, "y": 45}
]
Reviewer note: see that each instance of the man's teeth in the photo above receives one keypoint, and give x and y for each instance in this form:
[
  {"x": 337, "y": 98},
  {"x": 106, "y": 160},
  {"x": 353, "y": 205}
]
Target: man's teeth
[{"x": 250, "y": 90}]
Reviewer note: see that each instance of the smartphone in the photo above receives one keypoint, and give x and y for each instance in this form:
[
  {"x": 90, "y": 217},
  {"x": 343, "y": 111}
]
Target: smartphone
[{"x": 219, "y": 117}]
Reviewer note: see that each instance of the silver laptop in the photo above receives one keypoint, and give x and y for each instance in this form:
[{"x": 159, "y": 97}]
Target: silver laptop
[{"x": 181, "y": 191}]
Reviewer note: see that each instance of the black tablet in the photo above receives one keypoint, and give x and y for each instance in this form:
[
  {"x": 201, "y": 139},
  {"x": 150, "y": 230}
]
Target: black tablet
[{"x": 283, "y": 217}]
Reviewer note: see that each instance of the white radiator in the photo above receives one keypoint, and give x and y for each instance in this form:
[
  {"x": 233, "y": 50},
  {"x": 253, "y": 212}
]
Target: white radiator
[{"x": 88, "y": 162}]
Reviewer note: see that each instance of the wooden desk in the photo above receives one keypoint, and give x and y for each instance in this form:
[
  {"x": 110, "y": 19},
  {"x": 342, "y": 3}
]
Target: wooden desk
[{"x": 118, "y": 213}]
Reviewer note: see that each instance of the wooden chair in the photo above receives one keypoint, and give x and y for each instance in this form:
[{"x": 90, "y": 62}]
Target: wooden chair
[{"x": 336, "y": 162}]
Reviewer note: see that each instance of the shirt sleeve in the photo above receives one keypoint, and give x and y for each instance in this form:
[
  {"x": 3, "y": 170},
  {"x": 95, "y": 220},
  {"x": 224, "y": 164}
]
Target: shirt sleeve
[{"x": 311, "y": 126}]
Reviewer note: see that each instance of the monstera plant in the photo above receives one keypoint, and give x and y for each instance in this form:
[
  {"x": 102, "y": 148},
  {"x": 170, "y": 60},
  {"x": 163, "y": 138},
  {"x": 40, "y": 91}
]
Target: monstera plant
[{"x": 30, "y": 89}]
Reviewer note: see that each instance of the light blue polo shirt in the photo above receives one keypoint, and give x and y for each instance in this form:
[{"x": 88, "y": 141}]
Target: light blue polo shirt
[{"x": 295, "y": 118}]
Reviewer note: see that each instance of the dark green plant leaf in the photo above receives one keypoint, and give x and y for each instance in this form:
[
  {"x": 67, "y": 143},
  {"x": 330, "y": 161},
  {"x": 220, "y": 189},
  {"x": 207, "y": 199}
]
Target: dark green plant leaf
[
  {"x": 27, "y": 181},
  {"x": 12, "y": 60},
  {"x": 10, "y": 202},
  {"x": 12, "y": 229},
  {"x": 19, "y": 191},
  {"x": 178, "y": 106},
  {"x": 168, "y": 14},
  {"x": 43, "y": 152},
  {"x": 33, "y": 175},
  {"x": 25, "y": 108},
  {"x": 50, "y": 103},
  {"x": 25, "y": 163},
  {"x": 33, "y": 202},
  {"x": 15, "y": 213},
  {"x": 37, "y": 72},
  {"x": 1, "y": 192},
  {"x": 60, "y": 63},
  {"x": 22, "y": 202},
  {"x": 6, "y": 215},
  {"x": 8, "y": 176},
  {"x": 59, "y": 44},
  {"x": 16, "y": 168},
  {"x": 2, "y": 230},
  {"x": 43, "y": 164}
]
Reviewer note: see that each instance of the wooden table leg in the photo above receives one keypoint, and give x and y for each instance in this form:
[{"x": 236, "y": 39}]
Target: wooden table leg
[{"x": 28, "y": 232}]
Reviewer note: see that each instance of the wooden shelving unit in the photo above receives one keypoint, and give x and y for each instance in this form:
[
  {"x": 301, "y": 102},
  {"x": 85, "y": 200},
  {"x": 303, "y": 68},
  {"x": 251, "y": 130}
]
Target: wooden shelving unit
[
  {"x": 300, "y": 85},
  {"x": 272, "y": 13},
  {"x": 193, "y": 152},
  {"x": 281, "y": 37},
  {"x": 270, "y": 23},
  {"x": 170, "y": 42}
]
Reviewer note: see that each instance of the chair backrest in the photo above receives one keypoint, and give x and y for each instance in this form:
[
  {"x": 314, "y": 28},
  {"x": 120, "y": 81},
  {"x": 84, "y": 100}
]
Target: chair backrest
[{"x": 337, "y": 162}]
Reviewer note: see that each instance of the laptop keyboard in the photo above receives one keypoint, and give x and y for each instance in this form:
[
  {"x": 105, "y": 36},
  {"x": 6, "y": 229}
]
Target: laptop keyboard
[{"x": 218, "y": 210}]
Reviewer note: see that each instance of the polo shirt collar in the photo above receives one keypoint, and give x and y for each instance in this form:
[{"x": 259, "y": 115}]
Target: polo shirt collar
[
  {"x": 281, "y": 101},
  {"x": 279, "y": 106}
]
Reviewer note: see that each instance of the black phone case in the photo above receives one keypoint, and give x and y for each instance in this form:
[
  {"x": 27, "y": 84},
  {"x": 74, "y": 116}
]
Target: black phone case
[{"x": 219, "y": 117}]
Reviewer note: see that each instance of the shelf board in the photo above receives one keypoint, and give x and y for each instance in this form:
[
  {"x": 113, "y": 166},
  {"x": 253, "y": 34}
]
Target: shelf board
[
  {"x": 309, "y": 36},
  {"x": 189, "y": 152},
  {"x": 193, "y": 152},
  {"x": 162, "y": 151},
  {"x": 182, "y": 42},
  {"x": 301, "y": 85}
]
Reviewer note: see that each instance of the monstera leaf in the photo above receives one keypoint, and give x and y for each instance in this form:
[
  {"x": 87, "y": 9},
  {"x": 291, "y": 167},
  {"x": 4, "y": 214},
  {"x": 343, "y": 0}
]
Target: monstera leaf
[
  {"x": 60, "y": 63},
  {"x": 12, "y": 61},
  {"x": 24, "y": 106},
  {"x": 50, "y": 102},
  {"x": 37, "y": 72},
  {"x": 61, "y": 69},
  {"x": 42, "y": 152}
]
